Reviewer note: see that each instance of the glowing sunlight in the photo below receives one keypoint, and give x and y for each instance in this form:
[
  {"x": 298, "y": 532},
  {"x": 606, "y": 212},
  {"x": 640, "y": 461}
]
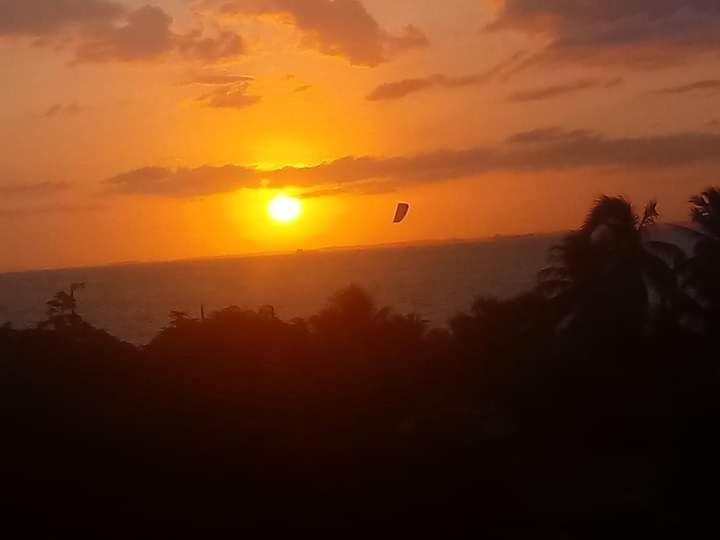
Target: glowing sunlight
[{"x": 284, "y": 209}]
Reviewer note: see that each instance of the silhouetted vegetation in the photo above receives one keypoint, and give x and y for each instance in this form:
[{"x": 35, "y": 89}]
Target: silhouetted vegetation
[{"x": 583, "y": 408}]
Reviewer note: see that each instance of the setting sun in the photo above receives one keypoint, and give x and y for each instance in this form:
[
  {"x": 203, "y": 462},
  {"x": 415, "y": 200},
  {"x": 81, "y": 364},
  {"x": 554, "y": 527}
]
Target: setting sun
[{"x": 284, "y": 209}]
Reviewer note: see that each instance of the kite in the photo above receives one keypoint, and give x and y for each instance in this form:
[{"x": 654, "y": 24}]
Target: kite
[{"x": 401, "y": 212}]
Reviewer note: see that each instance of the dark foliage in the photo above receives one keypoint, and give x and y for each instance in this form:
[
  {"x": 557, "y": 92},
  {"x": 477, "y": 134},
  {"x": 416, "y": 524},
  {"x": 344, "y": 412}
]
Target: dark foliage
[{"x": 582, "y": 409}]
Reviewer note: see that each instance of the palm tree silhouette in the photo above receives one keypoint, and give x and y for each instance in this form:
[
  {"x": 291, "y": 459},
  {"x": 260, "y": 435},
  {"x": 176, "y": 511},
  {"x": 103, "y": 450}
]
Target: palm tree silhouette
[
  {"x": 700, "y": 273},
  {"x": 608, "y": 275}
]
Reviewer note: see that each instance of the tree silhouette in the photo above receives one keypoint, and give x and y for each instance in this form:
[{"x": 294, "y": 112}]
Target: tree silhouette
[
  {"x": 62, "y": 308},
  {"x": 180, "y": 319},
  {"x": 73, "y": 304},
  {"x": 700, "y": 273},
  {"x": 602, "y": 275}
]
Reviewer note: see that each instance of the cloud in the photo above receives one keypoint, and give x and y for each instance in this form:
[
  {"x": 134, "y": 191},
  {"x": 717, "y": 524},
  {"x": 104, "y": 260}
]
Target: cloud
[
  {"x": 37, "y": 18},
  {"x": 648, "y": 34},
  {"x": 216, "y": 79},
  {"x": 146, "y": 34},
  {"x": 548, "y": 135},
  {"x": 541, "y": 150},
  {"x": 401, "y": 89},
  {"x": 302, "y": 89},
  {"x": 230, "y": 96},
  {"x": 411, "y": 38},
  {"x": 41, "y": 188},
  {"x": 185, "y": 182},
  {"x": 333, "y": 27},
  {"x": 711, "y": 87},
  {"x": 58, "y": 109},
  {"x": 228, "y": 91},
  {"x": 49, "y": 209},
  {"x": 367, "y": 188},
  {"x": 105, "y": 31},
  {"x": 557, "y": 90}
]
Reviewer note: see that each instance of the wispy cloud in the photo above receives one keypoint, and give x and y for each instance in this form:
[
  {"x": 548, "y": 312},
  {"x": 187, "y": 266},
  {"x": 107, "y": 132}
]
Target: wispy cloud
[
  {"x": 708, "y": 87},
  {"x": 400, "y": 89},
  {"x": 62, "y": 109},
  {"x": 230, "y": 96},
  {"x": 646, "y": 34},
  {"x": 557, "y": 90},
  {"x": 542, "y": 150},
  {"x": 215, "y": 79}
]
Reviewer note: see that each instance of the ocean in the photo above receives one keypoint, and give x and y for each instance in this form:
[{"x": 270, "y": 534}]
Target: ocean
[{"x": 132, "y": 302}]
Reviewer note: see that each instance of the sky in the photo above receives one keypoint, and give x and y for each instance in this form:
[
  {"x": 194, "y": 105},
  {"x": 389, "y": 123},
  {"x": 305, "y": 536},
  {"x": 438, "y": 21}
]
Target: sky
[{"x": 136, "y": 131}]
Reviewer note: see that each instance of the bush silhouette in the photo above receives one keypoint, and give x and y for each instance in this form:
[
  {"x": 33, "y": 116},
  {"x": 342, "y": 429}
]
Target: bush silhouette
[{"x": 581, "y": 408}]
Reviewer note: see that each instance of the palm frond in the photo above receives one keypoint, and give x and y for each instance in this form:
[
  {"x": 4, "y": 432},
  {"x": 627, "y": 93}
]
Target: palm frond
[
  {"x": 660, "y": 276},
  {"x": 552, "y": 288},
  {"x": 554, "y": 273},
  {"x": 675, "y": 255},
  {"x": 650, "y": 215},
  {"x": 615, "y": 212}
]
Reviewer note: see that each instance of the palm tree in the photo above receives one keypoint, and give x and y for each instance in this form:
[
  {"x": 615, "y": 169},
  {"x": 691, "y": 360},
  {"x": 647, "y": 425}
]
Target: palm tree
[
  {"x": 701, "y": 273},
  {"x": 606, "y": 277}
]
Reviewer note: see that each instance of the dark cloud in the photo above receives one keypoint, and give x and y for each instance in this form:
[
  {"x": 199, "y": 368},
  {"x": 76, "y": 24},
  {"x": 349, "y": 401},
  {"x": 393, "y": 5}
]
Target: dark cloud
[
  {"x": 548, "y": 135},
  {"x": 648, "y": 34},
  {"x": 230, "y": 96},
  {"x": 225, "y": 44},
  {"x": 557, "y": 90},
  {"x": 37, "y": 18},
  {"x": 542, "y": 150},
  {"x": 104, "y": 31},
  {"x": 41, "y": 188},
  {"x": 144, "y": 35},
  {"x": 302, "y": 88},
  {"x": 186, "y": 182},
  {"x": 147, "y": 34},
  {"x": 368, "y": 188},
  {"x": 228, "y": 91},
  {"x": 555, "y": 149},
  {"x": 333, "y": 27},
  {"x": 699, "y": 87},
  {"x": 411, "y": 38},
  {"x": 400, "y": 89},
  {"x": 216, "y": 79}
]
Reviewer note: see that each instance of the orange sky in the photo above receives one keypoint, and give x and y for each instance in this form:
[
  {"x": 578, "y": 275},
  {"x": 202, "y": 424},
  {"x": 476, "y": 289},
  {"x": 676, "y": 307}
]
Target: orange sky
[{"x": 136, "y": 131}]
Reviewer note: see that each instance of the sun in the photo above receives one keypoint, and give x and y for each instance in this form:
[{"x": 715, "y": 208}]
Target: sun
[{"x": 284, "y": 209}]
